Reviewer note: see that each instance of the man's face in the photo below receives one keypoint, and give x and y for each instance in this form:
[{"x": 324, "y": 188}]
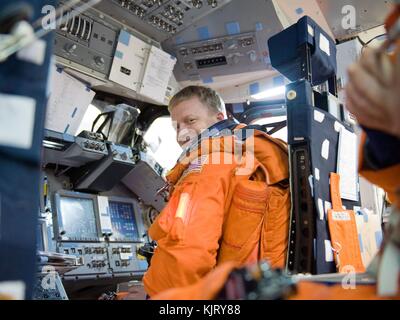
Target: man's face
[{"x": 190, "y": 118}]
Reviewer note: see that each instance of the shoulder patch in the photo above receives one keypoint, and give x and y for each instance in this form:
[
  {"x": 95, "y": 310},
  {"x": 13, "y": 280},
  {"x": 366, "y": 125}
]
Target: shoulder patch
[{"x": 195, "y": 165}]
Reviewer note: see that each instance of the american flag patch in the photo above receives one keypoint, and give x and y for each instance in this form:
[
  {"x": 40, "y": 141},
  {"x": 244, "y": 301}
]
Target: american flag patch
[{"x": 195, "y": 165}]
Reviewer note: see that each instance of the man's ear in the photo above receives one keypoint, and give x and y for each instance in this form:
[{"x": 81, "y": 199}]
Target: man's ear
[{"x": 220, "y": 116}]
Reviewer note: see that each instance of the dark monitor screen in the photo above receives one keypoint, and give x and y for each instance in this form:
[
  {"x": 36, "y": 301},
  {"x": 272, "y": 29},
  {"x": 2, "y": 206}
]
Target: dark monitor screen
[
  {"x": 39, "y": 237},
  {"x": 78, "y": 218},
  {"x": 123, "y": 221}
]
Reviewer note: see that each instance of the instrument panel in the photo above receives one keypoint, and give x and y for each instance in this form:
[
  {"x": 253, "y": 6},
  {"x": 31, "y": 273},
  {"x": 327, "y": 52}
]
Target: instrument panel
[
  {"x": 160, "y": 19},
  {"x": 104, "y": 233},
  {"x": 87, "y": 41},
  {"x": 212, "y": 57},
  {"x": 92, "y": 256}
]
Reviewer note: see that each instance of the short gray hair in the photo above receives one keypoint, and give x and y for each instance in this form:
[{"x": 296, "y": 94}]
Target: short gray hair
[{"x": 207, "y": 96}]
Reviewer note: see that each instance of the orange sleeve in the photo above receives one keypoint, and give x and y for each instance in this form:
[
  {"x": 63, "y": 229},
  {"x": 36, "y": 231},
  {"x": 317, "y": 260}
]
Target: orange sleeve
[
  {"x": 388, "y": 179},
  {"x": 206, "y": 288},
  {"x": 189, "y": 229}
]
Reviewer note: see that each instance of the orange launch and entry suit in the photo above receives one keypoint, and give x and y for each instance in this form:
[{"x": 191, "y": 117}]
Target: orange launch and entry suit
[
  {"x": 385, "y": 174},
  {"x": 230, "y": 202},
  {"x": 209, "y": 287}
]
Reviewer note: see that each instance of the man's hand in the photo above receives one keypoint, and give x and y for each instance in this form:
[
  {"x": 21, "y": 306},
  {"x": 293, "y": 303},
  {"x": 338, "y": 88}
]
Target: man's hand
[{"x": 373, "y": 92}]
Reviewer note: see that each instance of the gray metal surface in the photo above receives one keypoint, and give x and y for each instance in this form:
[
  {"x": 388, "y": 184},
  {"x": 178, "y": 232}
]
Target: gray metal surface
[
  {"x": 236, "y": 18},
  {"x": 124, "y": 260},
  {"x": 145, "y": 180},
  {"x": 93, "y": 257},
  {"x": 129, "y": 12},
  {"x": 97, "y": 257},
  {"x": 237, "y": 52},
  {"x": 200, "y": 26},
  {"x": 369, "y": 14},
  {"x": 88, "y": 41},
  {"x": 105, "y": 174},
  {"x": 85, "y": 150},
  {"x": 103, "y": 259}
]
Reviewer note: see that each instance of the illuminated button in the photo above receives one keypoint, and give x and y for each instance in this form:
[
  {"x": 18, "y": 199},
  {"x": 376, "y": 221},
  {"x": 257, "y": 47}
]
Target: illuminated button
[{"x": 70, "y": 48}]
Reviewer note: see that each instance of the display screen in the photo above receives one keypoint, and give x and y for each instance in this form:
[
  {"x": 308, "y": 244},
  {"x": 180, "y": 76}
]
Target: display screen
[
  {"x": 39, "y": 237},
  {"x": 78, "y": 218},
  {"x": 123, "y": 221}
]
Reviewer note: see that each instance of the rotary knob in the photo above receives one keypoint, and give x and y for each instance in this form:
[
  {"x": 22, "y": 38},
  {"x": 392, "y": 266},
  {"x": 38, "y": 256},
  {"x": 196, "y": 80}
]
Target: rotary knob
[
  {"x": 99, "y": 61},
  {"x": 235, "y": 59},
  {"x": 70, "y": 48},
  {"x": 252, "y": 56}
]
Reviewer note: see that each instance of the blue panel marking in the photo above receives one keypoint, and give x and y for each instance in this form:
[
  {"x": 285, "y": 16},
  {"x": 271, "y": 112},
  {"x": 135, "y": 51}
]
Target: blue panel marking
[
  {"x": 203, "y": 33},
  {"x": 74, "y": 112},
  {"x": 254, "y": 88},
  {"x": 278, "y": 81},
  {"x": 208, "y": 80},
  {"x": 365, "y": 217},
  {"x": 119, "y": 54},
  {"x": 232, "y": 28},
  {"x": 259, "y": 26},
  {"x": 124, "y": 37},
  {"x": 179, "y": 40},
  {"x": 299, "y": 10},
  {"x": 66, "y": 128},
  {"x": 378, "y": 238},
  {"x": 237, "y": 107}
]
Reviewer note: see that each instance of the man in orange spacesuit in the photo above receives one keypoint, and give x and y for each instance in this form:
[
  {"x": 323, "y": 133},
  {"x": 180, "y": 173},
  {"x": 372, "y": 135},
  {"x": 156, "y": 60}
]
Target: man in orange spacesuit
[
  {"x": 229, "y": 199},
  {"x": 373, "y": 96}
]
